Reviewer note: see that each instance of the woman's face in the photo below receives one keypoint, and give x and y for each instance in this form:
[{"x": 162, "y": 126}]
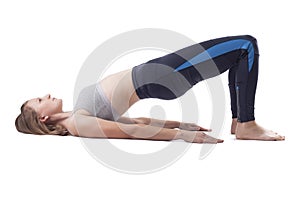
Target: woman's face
[{"x": 45, "y": 106}]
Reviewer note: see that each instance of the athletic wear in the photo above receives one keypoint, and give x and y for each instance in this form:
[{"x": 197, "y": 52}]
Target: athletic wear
[
  {"x": 93, "y": 100},
  {"x": 172, "y": 75}
]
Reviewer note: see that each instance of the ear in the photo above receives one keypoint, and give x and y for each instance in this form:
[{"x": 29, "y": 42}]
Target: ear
[{"x": 44, "y": 118}]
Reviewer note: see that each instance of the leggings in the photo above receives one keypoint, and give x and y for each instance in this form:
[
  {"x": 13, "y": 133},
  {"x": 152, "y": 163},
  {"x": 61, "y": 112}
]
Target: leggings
[{"x": 172, "y": 75}]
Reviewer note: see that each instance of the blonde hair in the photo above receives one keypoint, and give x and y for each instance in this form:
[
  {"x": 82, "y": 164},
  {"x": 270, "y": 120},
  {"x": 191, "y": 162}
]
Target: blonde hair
[{"x": 28, "y": 122}]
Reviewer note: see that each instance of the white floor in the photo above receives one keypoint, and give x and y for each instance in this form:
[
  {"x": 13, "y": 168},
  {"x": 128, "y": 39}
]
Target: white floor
[
  {"x": 52, "y": 167},
  {"x": 43, "y": 46}
]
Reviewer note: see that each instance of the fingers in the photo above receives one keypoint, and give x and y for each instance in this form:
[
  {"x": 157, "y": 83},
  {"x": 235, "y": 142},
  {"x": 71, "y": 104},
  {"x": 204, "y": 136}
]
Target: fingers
[
  {"x": 204, "y": 129},
  {"x": 193, "y": 127},
  {"x": 220, "y": 141},
  {"x": 212, "y": 140},
  {"x": 209, "y": 139}
]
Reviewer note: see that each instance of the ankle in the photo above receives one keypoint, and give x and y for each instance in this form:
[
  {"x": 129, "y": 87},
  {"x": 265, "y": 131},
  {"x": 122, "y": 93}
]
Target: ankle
[
  {"x": 246, "y": 124},
  {"x": 233, "y": 125}
]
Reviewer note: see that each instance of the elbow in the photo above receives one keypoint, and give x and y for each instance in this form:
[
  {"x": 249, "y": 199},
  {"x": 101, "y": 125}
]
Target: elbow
[
  {"x": 122, "y": 131},
  {"x": 136, "y": 131},
  {"x": 132, "y": 130}
]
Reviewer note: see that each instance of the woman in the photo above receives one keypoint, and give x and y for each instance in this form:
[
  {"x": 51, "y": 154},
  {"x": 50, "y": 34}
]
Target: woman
[{"x": 97, "y": 113}]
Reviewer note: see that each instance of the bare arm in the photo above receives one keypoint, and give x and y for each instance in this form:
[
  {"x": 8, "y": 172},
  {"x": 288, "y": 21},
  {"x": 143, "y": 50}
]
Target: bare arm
[
  {"x": 170, "y": 124},
  {"x": 127, "y": 120},
  {"x": 150, "y": 121},
  {"x": 159, "y": 123},
  {"x": 92, "y": 127}
]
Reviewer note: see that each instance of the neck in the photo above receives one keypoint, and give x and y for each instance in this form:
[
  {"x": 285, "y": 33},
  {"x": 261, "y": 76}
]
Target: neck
[{"x": 59, "y": 118}]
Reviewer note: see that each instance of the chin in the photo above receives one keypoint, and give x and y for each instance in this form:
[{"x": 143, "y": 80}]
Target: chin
[{"x": 60, "y": 103}]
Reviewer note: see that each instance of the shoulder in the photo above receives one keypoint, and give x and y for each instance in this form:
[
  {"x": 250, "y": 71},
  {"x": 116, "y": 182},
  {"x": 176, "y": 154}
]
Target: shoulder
[
  {"x": 81, "y": 111},
  {"x": 74, "y": 119},
  {"x": 89, "y": 126}
]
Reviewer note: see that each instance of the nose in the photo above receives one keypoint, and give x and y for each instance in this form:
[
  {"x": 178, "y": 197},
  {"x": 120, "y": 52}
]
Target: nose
[{"x": 47, "y": 96}]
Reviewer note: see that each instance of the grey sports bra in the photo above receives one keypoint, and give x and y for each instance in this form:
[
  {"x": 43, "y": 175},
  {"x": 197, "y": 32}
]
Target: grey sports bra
[{"x": 93, "y": 100}]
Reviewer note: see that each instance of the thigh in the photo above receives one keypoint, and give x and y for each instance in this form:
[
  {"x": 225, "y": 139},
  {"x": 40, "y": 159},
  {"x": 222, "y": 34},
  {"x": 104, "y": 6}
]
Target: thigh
[{"x": 155, "y": 77}]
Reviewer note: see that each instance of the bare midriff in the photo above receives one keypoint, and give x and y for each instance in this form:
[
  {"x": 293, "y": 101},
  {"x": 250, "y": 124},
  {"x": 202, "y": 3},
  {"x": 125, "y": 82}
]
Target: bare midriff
[{"x": 120, "y": 91}]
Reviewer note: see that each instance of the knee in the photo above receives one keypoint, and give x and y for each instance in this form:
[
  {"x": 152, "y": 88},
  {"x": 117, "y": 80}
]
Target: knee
[
  {"x": 253, "y": 41},
  {"x": 249, "y": 37}
]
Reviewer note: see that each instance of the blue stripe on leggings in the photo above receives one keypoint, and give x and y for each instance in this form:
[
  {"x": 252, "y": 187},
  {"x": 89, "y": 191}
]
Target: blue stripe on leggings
[{"x": 220, "y": 49}]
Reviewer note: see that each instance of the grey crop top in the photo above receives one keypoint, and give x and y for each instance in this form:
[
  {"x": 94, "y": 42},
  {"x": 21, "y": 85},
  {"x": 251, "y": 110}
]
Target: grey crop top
[{"x": 93, "y": 100}]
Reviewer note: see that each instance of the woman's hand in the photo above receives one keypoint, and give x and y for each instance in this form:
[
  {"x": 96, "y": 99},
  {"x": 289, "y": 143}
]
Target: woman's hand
[
  {"x": 192, "y": 127},
  {"x": 198, "y": 137}
]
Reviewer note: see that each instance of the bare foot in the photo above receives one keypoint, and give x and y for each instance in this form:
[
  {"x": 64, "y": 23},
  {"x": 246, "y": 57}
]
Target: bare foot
[
  {"x": 233, "y": 125},
  {"x": 252, "y": 131}
]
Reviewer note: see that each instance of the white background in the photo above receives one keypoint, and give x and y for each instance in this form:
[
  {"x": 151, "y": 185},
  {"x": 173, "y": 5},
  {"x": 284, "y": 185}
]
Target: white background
[{"x": 42, "y": 48}]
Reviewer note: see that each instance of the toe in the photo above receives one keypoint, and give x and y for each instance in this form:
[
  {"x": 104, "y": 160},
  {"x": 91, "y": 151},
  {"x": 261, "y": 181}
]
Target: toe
[{"x": 280, "y": 137}]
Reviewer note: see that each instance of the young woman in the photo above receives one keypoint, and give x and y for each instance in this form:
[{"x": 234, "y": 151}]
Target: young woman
[{"x": 98, "y": 111}]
